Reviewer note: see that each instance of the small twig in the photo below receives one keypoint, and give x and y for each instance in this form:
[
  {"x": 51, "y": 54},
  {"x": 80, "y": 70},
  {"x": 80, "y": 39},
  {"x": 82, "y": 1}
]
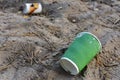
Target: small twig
[
  {"x": 5, "y": 67},
  {"x": 118, "y": 20},
  {"x": 59, "y": 7},
  {"x": 111, "y": 65},
  {"x": 32, "y": 57}
]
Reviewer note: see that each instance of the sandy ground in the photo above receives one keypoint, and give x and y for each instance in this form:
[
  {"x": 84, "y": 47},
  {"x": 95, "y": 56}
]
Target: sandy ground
[{"x": 30, "y": 48}]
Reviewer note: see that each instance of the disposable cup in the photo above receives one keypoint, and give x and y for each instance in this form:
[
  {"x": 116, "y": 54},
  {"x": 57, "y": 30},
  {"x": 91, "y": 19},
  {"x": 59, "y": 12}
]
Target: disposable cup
[
  {"x": 80, "y": 52},
  {"x": 32, "y": 8}
]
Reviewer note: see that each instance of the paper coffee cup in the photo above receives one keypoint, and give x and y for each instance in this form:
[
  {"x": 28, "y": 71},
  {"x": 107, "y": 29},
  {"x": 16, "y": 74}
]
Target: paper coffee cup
[
  {"x": 32, "y": 8},
  {"x": 80, "y": 52}
]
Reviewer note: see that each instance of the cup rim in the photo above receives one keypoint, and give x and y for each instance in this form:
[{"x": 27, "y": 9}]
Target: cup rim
[{"x": 75, "y": 72}]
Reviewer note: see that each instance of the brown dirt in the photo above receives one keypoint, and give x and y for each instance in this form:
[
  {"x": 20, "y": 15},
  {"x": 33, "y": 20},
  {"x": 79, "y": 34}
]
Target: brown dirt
[{"x": 30, "y": 48}]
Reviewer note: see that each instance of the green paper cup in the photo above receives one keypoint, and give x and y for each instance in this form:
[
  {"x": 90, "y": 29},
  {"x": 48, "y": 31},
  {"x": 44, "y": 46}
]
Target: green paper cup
[{"x": 80, "y": 52}]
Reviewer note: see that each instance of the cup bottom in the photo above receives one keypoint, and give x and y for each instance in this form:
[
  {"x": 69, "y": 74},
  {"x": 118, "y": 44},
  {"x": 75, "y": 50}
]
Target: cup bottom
[
  {"x": 69, "y": 66},
  {"x": 82, "y": 33}
]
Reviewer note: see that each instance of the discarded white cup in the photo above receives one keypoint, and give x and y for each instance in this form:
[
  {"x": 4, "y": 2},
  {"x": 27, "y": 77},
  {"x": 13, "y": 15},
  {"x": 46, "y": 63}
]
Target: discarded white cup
[{"x": 32, "y": 8}]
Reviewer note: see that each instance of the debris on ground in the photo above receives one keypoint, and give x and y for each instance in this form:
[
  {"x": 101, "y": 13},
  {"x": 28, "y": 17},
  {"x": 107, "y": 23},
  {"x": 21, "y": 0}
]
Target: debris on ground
[{"x": 30, "y": 48}]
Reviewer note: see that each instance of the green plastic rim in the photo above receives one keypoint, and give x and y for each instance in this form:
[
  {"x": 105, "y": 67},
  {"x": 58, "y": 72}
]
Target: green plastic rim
[
  {"x": 82, "y": 33},
  {"x": 69, "y": 66}
]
